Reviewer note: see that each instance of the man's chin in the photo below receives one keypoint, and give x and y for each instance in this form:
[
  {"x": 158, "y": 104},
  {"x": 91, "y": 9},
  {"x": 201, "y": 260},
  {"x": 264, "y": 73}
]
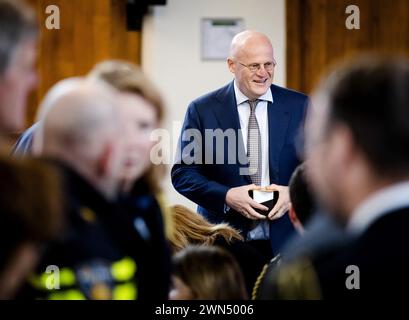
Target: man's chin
[{"x": 260, "y": 90}]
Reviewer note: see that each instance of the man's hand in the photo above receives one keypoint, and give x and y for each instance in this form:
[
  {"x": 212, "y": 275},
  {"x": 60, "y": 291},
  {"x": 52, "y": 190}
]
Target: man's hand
[
  {"x": 238, "y": 199},
  {"x": 283, "y": 203}
]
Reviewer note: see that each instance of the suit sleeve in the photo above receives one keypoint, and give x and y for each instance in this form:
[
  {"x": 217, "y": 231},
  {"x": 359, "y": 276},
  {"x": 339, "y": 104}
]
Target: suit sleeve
[{"x": 188, "y": 173}]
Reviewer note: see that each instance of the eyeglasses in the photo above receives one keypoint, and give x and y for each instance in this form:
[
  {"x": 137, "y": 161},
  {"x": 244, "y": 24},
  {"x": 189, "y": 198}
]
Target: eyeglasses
[{"x": 254, "y": 67}]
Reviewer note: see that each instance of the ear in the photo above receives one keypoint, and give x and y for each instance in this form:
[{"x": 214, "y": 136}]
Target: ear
[
  {"x": 344, "y": 148},
  {"x": 37, "y": 141},
  {"x": 294, "y": 220},
  {"x": 292, "y": 215},
  {"x": 231, "y": 65},
  {"x": 104, "y": 160}
]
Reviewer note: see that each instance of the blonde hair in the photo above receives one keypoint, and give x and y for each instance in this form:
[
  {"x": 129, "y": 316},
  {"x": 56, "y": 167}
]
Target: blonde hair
[
  {"x": 128, "y": 77},
  {"x": 191, "y": 228}
]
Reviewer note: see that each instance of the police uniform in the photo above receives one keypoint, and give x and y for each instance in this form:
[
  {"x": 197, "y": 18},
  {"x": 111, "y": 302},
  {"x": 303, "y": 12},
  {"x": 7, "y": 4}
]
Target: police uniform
[{"x": 101, "y": 255}]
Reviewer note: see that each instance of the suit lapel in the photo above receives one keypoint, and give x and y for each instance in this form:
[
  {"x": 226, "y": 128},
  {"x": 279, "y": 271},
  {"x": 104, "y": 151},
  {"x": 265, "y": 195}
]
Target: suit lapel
[
  {"x": 226, "y": 110},
  {"x": 227, "y": 116},
  {"x": 278, "y": 120}
]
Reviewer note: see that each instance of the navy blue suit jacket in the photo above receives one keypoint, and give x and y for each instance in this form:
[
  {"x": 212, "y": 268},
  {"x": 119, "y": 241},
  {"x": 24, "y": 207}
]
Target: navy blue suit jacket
[{"x": 207, "y": 184}]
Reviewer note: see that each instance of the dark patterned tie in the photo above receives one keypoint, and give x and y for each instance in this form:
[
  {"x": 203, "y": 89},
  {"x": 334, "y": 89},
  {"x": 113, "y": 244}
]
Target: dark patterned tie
[{"x": 254, "y": 145}]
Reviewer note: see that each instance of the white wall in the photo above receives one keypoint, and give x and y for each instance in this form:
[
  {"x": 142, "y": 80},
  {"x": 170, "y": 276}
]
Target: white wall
[{"x": 171, "y": 52}]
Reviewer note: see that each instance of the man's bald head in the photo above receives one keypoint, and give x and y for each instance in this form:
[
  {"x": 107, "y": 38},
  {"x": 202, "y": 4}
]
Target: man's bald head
[
  {"x": 82, "y": 128},
  {"x": 246, "y": 41},
  {"x": 77, "y": 117},
  {"x": 60, "y": 89}
]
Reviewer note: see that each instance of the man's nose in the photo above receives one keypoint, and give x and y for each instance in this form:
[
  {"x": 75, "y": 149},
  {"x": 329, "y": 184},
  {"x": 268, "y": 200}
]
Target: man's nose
[{"x": 261, "y": 70}]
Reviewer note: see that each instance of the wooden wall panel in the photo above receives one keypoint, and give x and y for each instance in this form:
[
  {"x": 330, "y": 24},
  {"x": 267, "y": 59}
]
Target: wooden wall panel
[
  {"x": 91, "y": 31},
  {"x": 317, "y": 36}
]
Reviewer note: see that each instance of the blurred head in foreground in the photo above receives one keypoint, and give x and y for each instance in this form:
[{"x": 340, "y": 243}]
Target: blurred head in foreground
[
  {"x": 206, "y": 273},
  {"x": 357, "y": 132}
]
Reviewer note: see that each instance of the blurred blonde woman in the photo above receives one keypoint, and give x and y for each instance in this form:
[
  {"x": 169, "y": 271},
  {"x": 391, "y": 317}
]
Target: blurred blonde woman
[{"x": 141, "y": 106}]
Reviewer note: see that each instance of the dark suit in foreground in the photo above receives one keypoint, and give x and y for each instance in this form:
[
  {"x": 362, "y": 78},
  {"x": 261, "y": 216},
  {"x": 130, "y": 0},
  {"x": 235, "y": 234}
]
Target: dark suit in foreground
[{"x": 378, "y": 265}]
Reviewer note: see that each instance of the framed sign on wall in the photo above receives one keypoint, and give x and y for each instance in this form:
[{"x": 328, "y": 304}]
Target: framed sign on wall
[{"x": 216, "y": 36}]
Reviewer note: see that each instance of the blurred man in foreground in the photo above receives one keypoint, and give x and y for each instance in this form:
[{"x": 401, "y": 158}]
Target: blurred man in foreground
[{"x": 357, "y": 142}]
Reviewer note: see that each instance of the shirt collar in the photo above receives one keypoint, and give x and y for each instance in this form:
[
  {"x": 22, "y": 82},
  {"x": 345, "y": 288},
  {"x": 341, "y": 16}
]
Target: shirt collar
[
  {"x": 241, "y": 98},
  {"x": 380, "y": 203}
]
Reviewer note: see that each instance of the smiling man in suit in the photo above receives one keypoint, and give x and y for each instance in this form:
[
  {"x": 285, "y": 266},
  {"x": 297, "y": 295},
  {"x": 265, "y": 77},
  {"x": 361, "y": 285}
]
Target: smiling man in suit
[{"x": 260, "y": 122}]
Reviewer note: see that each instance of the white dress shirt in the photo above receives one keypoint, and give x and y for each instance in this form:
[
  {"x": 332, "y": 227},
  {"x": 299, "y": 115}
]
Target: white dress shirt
[
  {"x": 377, "y": 205},
  {"x": 262, "y": 119},
  {"x": 262, "y": 231}
]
